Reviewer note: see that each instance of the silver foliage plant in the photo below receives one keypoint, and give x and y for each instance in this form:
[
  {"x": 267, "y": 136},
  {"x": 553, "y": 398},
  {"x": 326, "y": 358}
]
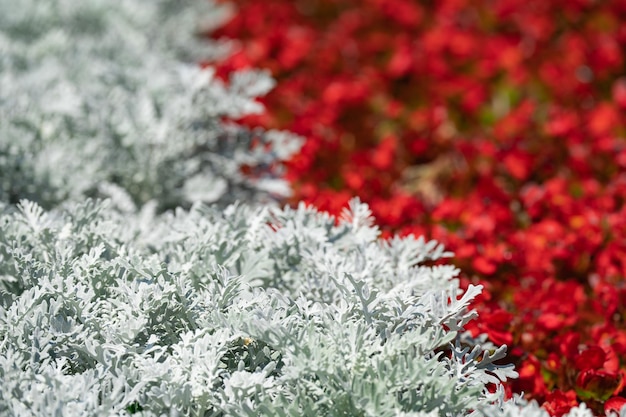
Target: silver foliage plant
[
  {"x": 236, "y": 312},
  {"x": 243, "y": 311},
  {"x": 104, "y": 98}
]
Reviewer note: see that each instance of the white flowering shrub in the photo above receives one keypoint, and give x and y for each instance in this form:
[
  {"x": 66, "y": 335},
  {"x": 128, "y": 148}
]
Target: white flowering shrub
[
  {"x": 235, "y": 312},
  {"x": 105, "y": 98}
]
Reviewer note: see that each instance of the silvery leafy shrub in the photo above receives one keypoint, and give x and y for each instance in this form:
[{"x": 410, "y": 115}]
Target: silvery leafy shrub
[
  {"x": 236, "y": 312},
  {"x": 104, "y": 98}
]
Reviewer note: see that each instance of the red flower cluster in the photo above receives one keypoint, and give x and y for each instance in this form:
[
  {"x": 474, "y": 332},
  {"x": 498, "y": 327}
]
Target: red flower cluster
[{"x": 495, "y": 126}]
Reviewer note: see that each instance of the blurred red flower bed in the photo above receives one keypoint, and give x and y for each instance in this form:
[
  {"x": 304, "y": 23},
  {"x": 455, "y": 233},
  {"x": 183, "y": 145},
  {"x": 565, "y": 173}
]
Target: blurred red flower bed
[{"x": 495, "y": 126}]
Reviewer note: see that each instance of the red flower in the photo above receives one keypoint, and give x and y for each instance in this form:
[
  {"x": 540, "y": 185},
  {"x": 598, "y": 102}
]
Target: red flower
[
  {"x": 597, "y": 384},
  {"x": 614, "y": 405},
  {"x": 559, "y": 403},
  {"x": 591, "y": 358},
  {"x": 603, "y": 119},
  {"x": 619, "y": 92}
]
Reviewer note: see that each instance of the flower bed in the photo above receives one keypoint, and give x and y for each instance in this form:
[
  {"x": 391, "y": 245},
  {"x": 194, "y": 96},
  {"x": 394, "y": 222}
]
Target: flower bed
[{"x": 494, "y": 126}]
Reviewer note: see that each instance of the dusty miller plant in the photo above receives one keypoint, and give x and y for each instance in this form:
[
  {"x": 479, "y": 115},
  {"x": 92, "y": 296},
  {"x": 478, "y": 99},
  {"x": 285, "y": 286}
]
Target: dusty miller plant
[
  {"x": 106, "y": 98},
  {"x": 235, "y": 312}
]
